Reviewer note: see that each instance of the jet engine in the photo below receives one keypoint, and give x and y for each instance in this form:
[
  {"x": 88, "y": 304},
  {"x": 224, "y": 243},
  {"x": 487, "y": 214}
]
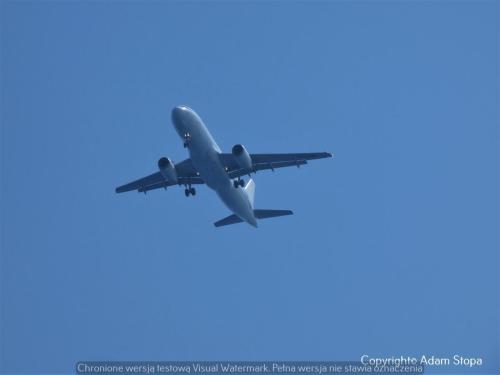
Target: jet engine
[
  {"x": 167, "y": 170},
  {"x": 242, "y": 157}
]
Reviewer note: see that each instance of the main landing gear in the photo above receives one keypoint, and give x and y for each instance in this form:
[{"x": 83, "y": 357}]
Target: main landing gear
[
  {"x": 190, "y": 191},
  {"x": 238, "y": 182},
  {"x": 187, "y": 140}
]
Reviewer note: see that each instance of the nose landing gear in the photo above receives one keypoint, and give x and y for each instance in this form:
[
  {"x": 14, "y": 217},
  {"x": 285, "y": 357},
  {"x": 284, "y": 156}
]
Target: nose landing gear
[
  {"x": 238, "y": 182},
  {"x": 187, "y": 139}
]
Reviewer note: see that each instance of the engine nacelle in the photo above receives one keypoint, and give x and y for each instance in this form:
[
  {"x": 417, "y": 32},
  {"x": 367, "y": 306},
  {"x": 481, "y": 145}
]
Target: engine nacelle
[
  {"x": 242, "y": 157},
  {"x": 167, "y": 170}
]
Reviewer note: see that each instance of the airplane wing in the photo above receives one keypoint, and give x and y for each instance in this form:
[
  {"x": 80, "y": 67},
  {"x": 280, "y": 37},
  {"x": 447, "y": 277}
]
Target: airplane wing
[
  {"x": 269, "y": 161},
  {"x": 186, "y": 174}
]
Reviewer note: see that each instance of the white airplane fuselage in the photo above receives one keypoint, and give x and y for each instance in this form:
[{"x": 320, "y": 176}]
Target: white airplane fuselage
[{"x": 204, "y": 153}]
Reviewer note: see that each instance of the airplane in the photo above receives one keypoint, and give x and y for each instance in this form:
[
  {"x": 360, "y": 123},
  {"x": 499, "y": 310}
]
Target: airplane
[{"x": 221, "y": 172}]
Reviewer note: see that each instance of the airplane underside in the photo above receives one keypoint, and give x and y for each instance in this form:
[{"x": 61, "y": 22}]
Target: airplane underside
[{"x": 220, "y": 171}]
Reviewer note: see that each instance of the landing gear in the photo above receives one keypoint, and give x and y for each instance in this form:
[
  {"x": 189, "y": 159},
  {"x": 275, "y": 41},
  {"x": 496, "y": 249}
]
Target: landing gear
[
  {"x": 190, "y": 191},
  {"x": 187, "y": 139},
  {"x": 238, "y": 182}
]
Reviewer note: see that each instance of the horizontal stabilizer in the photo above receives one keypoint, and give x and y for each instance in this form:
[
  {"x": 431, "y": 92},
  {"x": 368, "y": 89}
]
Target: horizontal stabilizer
[
  {"x": 264, "y": 214},
  {"x": 231, "y": 219}
]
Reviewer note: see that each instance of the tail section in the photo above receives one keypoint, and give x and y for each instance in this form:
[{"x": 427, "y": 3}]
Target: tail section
[
  {"x": 259, "y": 214},
  {"x": 250, "y": 190}
]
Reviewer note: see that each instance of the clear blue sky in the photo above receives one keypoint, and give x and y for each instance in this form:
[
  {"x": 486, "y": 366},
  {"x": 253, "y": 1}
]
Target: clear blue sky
[{"x": 393, "y": 248}]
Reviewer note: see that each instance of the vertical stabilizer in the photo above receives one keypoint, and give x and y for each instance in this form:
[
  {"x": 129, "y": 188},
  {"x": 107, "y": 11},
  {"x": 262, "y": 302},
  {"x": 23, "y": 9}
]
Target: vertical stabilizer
[{"x": 250, "y": 190}]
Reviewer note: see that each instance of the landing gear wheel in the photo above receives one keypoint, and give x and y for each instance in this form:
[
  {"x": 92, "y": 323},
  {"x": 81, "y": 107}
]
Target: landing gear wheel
[
  {"x": 187, "y": 139},
  {"x": 192, "y": 191},
  {"x": 241, "y": 182},
  {"x": 186, "y": 192}
]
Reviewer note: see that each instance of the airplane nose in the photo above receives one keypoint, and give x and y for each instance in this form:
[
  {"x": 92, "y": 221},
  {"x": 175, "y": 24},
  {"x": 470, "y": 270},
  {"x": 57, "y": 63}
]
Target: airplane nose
[
  {"x": 180, "y": 116},
  {"x": 177, "y": 115}
]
